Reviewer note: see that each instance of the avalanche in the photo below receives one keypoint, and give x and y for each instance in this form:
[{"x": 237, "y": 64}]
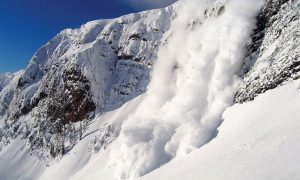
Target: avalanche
[
  {"x": 194, "y": 80},
  {"x": 258, "y": 140},
  {"x": 151, "y": 96}
]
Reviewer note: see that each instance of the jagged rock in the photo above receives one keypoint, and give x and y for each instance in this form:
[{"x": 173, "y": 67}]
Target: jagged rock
[{"x": 273, "y": 56}]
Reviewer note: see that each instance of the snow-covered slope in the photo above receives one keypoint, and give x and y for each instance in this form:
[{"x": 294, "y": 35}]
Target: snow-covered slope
[
  {"x": 257, "y": 140},
  {"x": 4, "y": 80},
  {"x": 78, "y": 74},
  {"x": 145, "y": 95}
]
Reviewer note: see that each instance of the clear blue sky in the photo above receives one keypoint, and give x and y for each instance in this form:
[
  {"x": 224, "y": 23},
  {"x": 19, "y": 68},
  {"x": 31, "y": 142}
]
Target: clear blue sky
[{"x": 25, "y": 25}]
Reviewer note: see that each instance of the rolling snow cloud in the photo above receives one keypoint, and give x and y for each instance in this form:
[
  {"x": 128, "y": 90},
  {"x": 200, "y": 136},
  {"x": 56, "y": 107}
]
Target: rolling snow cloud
[
  {"x": 150, "y": 4},
  {"x": 193, "y": 81}
]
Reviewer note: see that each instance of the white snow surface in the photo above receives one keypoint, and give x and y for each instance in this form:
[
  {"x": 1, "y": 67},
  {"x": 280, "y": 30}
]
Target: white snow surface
[{"x": 16, "y": 162}]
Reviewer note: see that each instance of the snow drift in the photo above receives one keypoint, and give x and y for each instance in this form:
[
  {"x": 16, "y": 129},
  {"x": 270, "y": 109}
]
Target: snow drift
[{"x": 194, "y": 80}]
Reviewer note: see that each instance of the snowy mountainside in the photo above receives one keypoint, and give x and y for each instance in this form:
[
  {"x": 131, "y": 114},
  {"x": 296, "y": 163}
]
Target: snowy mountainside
[
  {"x": 79, "y": 73},
  {"x": 143, "y": 96},
  {"x": 274, "y": 54},
  {"x": 8, "y": 84},
  {"x": 4, "y": 79}
]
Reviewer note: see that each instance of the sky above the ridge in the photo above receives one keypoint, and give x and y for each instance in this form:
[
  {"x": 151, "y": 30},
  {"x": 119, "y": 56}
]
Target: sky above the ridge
[{"x": 25, "y": 25}]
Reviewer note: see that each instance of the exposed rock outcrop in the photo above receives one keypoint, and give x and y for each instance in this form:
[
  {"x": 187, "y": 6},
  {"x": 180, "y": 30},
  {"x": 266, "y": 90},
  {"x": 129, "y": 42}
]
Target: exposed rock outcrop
[{"x": 273, "y": 57}]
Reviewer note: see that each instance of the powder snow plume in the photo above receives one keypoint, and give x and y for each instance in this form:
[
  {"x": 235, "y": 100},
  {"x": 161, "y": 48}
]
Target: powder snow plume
[{"x": 193, "y": 81}]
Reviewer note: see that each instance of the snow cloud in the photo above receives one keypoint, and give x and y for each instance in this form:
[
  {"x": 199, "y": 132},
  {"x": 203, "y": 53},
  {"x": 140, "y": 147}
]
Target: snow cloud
[
  {"x": 149, "y": 4},
  {"x": 193, "y": 81}
]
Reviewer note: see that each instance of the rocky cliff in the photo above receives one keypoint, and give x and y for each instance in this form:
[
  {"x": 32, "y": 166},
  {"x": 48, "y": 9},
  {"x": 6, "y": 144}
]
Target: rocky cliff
[{"x": 273, "y": 56}]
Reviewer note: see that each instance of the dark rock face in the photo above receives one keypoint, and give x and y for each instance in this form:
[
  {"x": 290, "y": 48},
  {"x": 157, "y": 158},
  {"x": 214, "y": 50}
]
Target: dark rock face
[
  {"x": 74, "y": 103},
  {"x": 63, "y": 98},
  {"x": 67, "y": 98},
  {"x": 134, "y": 37},
  {"x": 273, "y": 56},
  {"x": 264, "y": 20}
]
